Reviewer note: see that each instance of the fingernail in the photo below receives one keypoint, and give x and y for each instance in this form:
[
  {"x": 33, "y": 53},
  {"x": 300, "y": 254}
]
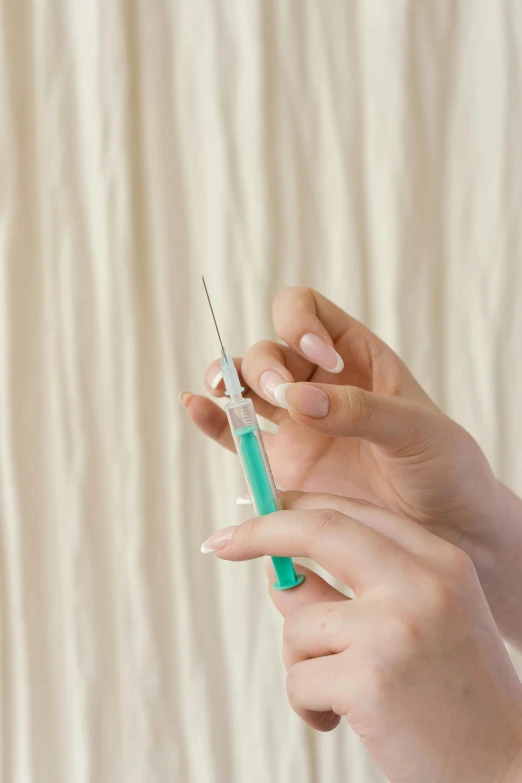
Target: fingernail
[
  {"x": 280, "y": 395},
  {"x": 319, "y": 352},
  {"x": 215, "y": 380},
  {"x": 218, "y": 540},
  {"x": 304, "y": 398},
  {"x": 185, "y": 397},
  {"x": 244, "y": 500},
  {"x": 268, "y": 381}
]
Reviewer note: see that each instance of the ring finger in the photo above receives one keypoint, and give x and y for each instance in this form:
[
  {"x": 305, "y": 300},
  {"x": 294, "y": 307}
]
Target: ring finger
[{"x": 312, "y": 690}]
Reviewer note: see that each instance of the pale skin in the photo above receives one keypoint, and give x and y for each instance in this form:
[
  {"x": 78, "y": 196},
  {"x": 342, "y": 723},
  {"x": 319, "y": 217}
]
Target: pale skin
[
  {"x": 368, "y": 430},
  {"x": 415, "y": 663}
]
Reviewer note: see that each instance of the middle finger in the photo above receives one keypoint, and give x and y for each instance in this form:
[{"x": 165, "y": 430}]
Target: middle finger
[{"x": 268, "y": 364}]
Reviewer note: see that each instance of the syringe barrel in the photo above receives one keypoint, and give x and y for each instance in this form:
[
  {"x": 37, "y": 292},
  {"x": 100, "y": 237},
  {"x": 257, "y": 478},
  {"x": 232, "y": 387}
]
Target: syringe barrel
[
  {"x": 251, "y": 452},
  {"x": 258, "y": 475}
]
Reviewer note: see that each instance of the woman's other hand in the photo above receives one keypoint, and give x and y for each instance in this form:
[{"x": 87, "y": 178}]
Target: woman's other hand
[{"x": 414, "y": 662}]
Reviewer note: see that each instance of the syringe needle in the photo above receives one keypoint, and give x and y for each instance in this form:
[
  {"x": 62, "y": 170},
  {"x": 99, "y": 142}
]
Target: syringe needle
[{"x": 214, "y": 317}]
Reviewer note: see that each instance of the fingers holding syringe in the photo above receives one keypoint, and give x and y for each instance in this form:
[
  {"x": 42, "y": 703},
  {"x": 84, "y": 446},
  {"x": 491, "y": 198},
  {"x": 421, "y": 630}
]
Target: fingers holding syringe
[
  {"x": 350, "y": 550},
  {"x": 314, "y": 590},
  {"x": 216, "y": 388},
  {"x": 269, "y": 364}
]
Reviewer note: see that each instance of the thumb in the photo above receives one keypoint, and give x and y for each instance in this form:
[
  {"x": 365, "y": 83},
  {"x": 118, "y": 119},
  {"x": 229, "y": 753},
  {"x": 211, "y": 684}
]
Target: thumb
[
  {"x": 314, "y": 590},
  {"x": 396, "y": 424}
]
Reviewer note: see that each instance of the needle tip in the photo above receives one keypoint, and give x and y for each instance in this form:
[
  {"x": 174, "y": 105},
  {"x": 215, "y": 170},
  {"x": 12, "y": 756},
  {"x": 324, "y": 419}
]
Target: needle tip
[{"x": 213, "y": 316}]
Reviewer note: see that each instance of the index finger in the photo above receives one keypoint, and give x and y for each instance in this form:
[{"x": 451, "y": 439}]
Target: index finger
[
  {"x": 348, "y": 549},
  {"x": 304, "y": 319}
]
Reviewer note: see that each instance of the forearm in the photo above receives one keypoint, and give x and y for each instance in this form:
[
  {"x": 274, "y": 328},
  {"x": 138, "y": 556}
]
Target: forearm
[{"x": 497, "y": 554}]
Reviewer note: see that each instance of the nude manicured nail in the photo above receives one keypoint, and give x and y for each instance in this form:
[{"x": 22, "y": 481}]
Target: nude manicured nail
[
  {"x": 215, "y": 379},
  {"x": 218, "y": 540},
  {"x": 244, "y": 500},
  {"x": 319, "y": 352},
  {"x": 303, "y": 398},
  {"x": 185, "y": 397},
  {"x": 268, "y": 381}
]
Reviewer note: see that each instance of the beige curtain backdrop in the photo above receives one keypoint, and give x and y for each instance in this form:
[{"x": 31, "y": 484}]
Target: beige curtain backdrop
[{"x": 370, "y": 149}]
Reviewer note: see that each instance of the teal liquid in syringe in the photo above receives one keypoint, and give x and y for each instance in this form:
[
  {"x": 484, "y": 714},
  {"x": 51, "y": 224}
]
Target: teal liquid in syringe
[{"x": 263, "y": 493}]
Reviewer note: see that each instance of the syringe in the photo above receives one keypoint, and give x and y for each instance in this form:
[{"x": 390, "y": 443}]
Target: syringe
[{"x": 252, "y": 456}]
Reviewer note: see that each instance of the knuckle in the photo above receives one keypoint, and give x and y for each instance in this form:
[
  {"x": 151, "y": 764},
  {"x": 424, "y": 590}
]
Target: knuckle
[
  {"x": 377, "y": 685},
  {"x": 288, "y": 302},
  {"x": 291, "y": 626},
  {"x": 437, "y": 595},
  {"x": 283, "y": 294},
  {"x": 301, "y": 292},
  {"x": 460, "y": 565},
  {"x": 324, "y": 522},
  {"x": 441, "y": 590},
  {"x": 352, "y": 507},
  {"x": 402, "y": 634},
  {"x": 260, "y": 350},
  {"x": 357, "y": 405},
  {"x": 263, "y": 346},
  {"x": 250, "y": 531},
  {"x": 281, "y": 302},
  {"x": 462, "y": 438}
]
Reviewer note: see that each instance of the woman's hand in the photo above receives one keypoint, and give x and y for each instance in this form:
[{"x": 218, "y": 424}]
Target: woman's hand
[
  {"x": 357, "y": 423},
  {"x": 415, "y": 662}
]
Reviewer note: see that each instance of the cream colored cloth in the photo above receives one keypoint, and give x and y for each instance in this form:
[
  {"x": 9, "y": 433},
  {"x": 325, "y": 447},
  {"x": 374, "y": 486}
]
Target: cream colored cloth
[{"x": 369, "y": 149}]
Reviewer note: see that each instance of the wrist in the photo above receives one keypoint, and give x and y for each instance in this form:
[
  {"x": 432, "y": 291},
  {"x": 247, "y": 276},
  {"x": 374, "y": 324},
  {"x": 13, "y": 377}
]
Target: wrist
[
  {"x": 495, "y": 546},
  {"x": 497, "y": 535}
]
